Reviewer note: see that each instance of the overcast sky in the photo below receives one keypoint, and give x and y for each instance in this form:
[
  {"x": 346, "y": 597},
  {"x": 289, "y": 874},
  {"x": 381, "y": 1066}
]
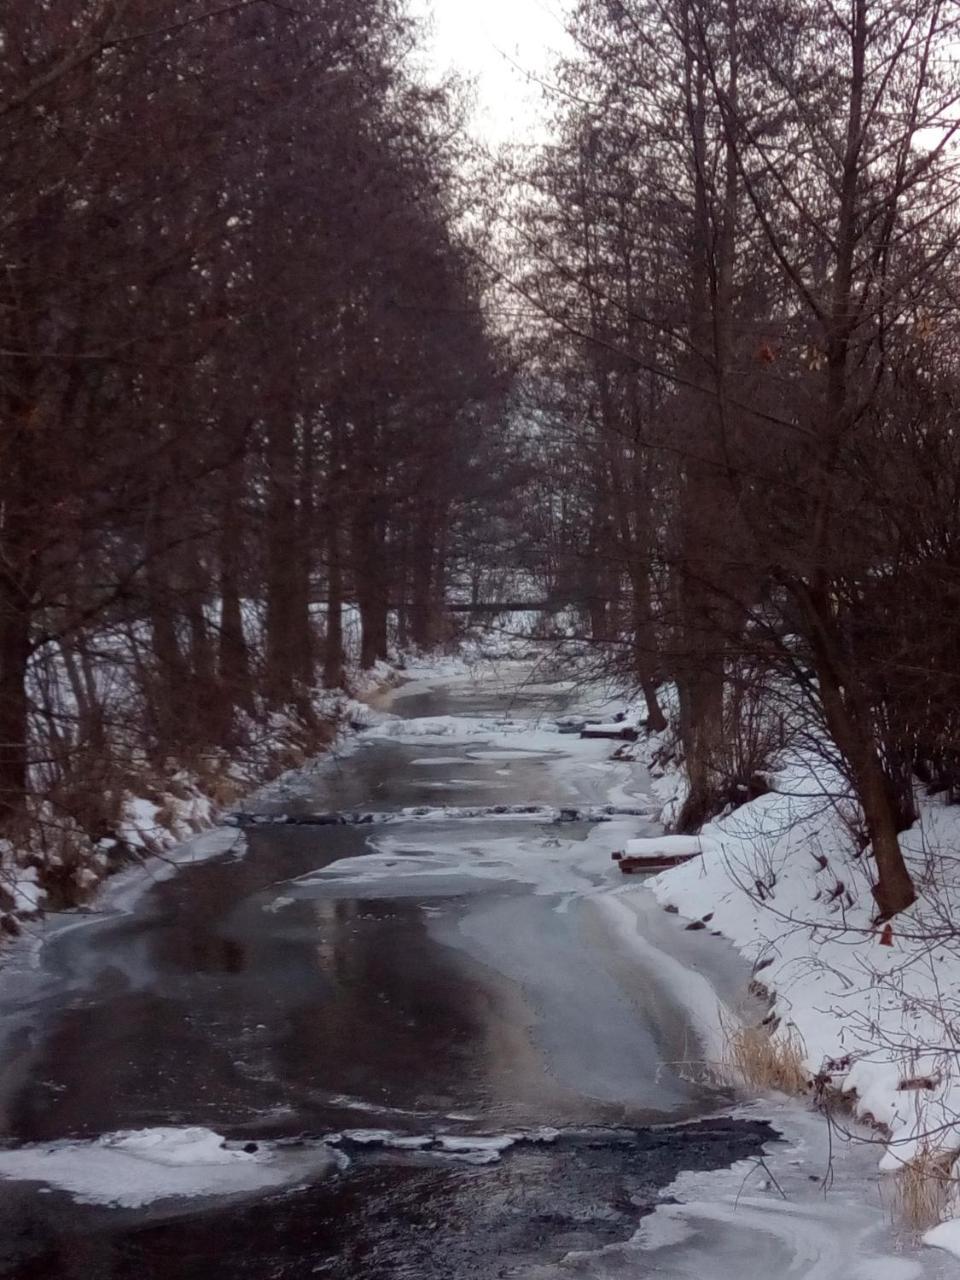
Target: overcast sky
[{"x": 472, "y": 37}]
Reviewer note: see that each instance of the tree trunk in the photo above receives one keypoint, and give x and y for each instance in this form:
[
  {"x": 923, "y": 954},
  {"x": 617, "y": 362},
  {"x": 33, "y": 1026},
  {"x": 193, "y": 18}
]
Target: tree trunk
[
  {"x": 304, "y": 645},
  {"x": 333, "y": 658},
  {"x": 848, "y": 723},
  {"x": 373, "y": 623},
  {"x": 15, "y": 621},
  {"x": 422, "y": 617},
  {"x": 656, "y": 720},
  {"x": 334, "y": 664},
  {"x": 645, "y": 652},
  {"x": 703, "y": 645},
  {"x": 173, "y": 701},
  {"x": 894, "y": 890},
  {"x": 281, "y": 554},
  {"x": 370, "y": 580},
  {"x": 233, "y": 657}
]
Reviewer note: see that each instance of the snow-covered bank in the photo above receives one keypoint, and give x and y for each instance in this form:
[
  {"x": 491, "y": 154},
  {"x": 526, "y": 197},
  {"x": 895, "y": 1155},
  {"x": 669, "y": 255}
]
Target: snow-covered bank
[
  {"x": 167, "y": 821},
  {"x": 179, "y": 823},
  {"x": 807, "y": 1209},
  {"x": 874, "y": 1009},
  {"x": 159, "y": 817}
]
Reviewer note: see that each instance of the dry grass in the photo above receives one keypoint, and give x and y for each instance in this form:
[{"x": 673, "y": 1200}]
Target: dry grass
[
  {"x": 223, "y": 789},
  {"x": 167, "y": 815},
  {"x": 289, "y": 755},
  {"x": 764, "y": 1060},
  {"x": 918, "y": 1195},
  {"x": 920, "y": 1190}
]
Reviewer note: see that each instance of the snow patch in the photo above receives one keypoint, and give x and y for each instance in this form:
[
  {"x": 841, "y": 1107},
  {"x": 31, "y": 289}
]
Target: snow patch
[
  {"x": 670, "y": 846},
  {"x": 780, "y": 879},
  {"x": 945, "y": 1236},
  {"x": 467, "y": 1148},
  {"x": 133, "y": 1168}
]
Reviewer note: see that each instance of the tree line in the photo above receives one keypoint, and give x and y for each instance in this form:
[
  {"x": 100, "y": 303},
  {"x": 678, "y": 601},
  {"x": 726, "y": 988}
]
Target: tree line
[
  {"x": 247, "y": 388},
  {"x": 738, "y": 263},
  {"x": 252, "y": 391}
]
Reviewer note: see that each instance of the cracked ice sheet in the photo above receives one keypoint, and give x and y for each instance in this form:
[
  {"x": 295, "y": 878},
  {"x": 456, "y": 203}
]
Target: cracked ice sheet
[
  {"x": 580, "y": 771},
  {"x": 734, "y": 1224},
  {"x": 442, "y": 856}
]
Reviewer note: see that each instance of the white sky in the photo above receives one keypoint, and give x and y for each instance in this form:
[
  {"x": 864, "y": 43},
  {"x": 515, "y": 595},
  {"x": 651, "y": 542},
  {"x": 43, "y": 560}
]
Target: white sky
[{"x": 472, "y": 37}]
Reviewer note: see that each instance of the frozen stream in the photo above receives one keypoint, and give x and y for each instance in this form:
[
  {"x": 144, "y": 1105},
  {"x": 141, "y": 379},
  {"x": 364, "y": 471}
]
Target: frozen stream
[{"x": 435, "y": 1047}]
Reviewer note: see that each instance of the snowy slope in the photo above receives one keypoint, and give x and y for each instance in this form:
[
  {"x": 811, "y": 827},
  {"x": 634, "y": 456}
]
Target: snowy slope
[{"x": 875, "y": 1009}]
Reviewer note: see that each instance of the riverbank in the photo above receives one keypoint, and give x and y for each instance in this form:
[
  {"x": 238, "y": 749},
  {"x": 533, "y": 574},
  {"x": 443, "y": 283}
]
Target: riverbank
[
  {"x": 59, "y": 865},
  {"x": 863, "y": 1014}
]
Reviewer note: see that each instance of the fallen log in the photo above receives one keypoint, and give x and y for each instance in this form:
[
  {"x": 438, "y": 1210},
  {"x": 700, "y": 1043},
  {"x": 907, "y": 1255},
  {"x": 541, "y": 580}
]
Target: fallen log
[
  {"x": 659, "y": 853},
  {"x": 614, "y": 731},
  {"x": 656, "y": 862},
  {"x": 570, "y": 724}
]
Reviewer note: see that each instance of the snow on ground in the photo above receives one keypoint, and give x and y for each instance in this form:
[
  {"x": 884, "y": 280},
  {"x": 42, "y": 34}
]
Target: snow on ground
[
  {"x": 807, "y": 1209},
  {"x": 875, "y": 1010},
  {"x": 133, "y": 1168},
  {"x": 20, "y": 883},
  {"x": 945, "y": 1236},
  {"x": 669, "y": 846}
]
